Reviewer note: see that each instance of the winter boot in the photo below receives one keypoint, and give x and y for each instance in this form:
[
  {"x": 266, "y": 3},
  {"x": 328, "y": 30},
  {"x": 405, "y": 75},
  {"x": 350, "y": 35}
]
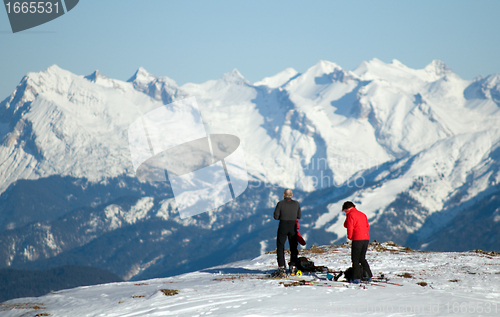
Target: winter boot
[
  {"x": 282, "y": 271},
  {"x": 293, "y": 270},
  {"x": 355, "y": 281}
]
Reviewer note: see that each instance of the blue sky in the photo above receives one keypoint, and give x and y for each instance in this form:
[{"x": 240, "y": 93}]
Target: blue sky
[{"x": 195, "y": 41}]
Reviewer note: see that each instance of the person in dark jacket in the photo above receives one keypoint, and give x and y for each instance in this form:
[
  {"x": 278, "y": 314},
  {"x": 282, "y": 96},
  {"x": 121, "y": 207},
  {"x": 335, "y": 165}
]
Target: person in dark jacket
[
  {"x": 357, "y": 227},
  {"x": 287, "y": 212}
]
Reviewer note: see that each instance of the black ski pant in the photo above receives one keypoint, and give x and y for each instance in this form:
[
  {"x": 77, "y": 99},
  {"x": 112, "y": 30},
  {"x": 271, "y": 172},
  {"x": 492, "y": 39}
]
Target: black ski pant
[
  {"x": 287, "y": 229},
  {"x": 358, "y": 253}
]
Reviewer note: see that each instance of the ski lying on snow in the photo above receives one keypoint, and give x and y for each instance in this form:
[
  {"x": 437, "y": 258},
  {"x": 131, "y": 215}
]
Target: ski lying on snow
[
  {"x": 314, "y": 280},
  {"x": 324, "y": 281},
  {"x": 361, "y": 283},
  {"x": 322, "y": 284},
  {"x": 319, "y": 279},
  {"x": 335, "y": 284},
  {"x": 375, "y": 280},
  {"x": 385, "y": 282},
  {"x": 322, "y": 277},
  {"x": 290, "y": 277}
]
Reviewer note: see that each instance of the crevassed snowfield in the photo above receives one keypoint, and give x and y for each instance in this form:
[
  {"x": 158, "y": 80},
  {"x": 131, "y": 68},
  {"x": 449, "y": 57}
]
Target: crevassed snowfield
[{"x": 455, "y": 284}]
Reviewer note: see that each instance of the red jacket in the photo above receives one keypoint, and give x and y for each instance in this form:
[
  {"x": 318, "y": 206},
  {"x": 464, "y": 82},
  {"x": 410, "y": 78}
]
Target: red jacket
[
  {"x": 299, "y": 236},
  {"x": 357, "y": 225}
]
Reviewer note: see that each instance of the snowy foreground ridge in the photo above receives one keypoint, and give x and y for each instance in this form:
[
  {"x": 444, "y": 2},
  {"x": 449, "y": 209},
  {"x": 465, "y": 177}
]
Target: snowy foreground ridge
[{"x": 434, "y": 284}]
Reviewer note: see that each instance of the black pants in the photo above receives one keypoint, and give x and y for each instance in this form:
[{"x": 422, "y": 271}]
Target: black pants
[
  {"x": 358, "y": 253},
  {"x": 287, "y": 229}
]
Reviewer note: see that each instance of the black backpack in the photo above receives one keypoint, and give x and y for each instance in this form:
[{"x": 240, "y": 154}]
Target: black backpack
[
  {"x": 306, "y": 265},
  {"x": 348, "y": 273}
]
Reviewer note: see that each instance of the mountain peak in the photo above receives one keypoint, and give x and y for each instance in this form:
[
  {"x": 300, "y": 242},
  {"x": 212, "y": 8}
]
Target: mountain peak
[
  {"x": 325, "y": 67},
  {"x": 233, "y": 73},
  {"x": 438, "y": 67},
  {"x": 54, "y": 69},
  {"x": 143, "y": 78},
  {"x": 321, "y": 70},
  {"x": 51, "y": 71},
  {"x": 94, "y": 76},
  {"x": 141, "y": 75},
  {"x": 493, "y": 80},
  {"x": 397, "y": 63},
  {"x": 33, "y": 83},
  {"x": 279, "y": 79},
  {"x": 373, "y": 66},
  {"x": 375, "y": 61},
  {"x": 397, "y": 71},
  {"x": 234, "y": 76},
  {"x": 484, "y": 88},
  {"x": 158, "y": 88}
]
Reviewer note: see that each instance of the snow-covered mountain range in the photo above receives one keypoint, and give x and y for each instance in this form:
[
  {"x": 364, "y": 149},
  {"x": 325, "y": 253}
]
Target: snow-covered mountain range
[{"x": 416, "y": 150}]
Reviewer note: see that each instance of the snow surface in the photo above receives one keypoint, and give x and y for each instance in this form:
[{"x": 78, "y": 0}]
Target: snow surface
[
  {"x": 279, "y": 79},
  {"x": 434, "y": 284}
]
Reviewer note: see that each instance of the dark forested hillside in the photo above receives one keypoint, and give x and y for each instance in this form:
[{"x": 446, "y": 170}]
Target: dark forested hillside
[{"x": 29, "y": 283}]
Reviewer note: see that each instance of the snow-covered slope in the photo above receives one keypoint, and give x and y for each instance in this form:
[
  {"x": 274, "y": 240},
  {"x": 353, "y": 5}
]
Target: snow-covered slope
[
  {"x": 59, "y": 123},
  {"x": 434, "y": 284},
  {"x": 279, "y": 79}
]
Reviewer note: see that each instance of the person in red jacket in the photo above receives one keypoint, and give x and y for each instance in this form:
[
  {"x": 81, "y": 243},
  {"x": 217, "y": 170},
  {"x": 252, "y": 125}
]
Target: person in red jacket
[{"x": 357, "y": 227}]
